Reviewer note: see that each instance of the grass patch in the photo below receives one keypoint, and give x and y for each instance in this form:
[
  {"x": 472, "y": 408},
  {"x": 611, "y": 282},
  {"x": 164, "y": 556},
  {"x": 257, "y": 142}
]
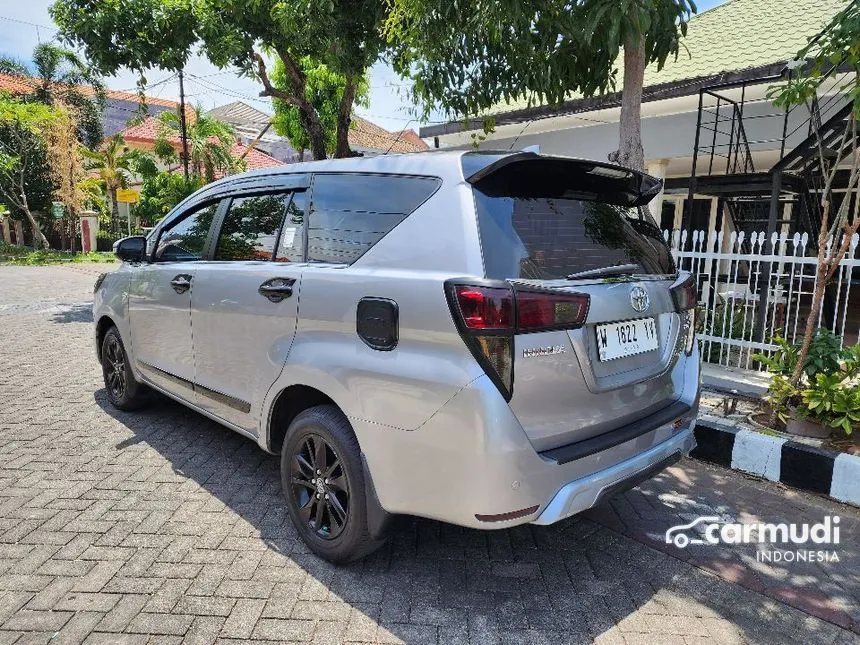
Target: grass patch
[{"x": 23, "y": 255}]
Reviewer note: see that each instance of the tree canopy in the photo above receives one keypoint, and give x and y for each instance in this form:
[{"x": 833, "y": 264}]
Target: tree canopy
[
  {"x": 465, "y": 58},
  {"x": 141, "y": 34},
  {"x": 324, "y": 90},
  {"x": 26, "y": 180}
]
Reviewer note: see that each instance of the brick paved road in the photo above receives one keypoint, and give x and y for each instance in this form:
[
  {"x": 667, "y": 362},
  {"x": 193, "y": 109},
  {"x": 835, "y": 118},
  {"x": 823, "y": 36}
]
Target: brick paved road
[{"x": 161, "y": 527}]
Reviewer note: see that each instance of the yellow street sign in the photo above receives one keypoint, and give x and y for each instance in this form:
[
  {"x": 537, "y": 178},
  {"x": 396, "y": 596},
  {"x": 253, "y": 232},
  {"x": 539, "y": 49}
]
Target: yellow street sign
[{"x": 127, "y": 195}]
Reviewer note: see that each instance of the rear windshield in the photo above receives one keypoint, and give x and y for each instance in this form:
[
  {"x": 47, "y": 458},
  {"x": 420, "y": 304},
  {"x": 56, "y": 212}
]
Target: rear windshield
[{"x": 547, "y": 238}]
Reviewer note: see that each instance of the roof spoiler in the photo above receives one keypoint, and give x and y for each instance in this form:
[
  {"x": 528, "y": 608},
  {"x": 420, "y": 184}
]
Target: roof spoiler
[{"x": 526, "y": 174}]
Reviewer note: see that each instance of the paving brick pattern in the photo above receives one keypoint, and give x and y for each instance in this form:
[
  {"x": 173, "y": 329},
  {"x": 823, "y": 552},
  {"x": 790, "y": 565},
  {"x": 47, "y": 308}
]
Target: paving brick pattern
[{"x": 162, "y": 527}]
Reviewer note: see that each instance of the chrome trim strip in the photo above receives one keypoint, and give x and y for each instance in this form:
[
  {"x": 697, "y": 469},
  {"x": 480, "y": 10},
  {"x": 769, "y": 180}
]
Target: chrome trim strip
[{"x": 225, "y": 399}]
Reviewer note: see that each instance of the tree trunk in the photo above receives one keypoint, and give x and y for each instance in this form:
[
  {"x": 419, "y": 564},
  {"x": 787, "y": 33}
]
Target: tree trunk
[
  {"x": 630, "y": 152},
  {"x": 114, "y": 212},
  {"x": 316, "y": 135},
  {"x": 38, "y": 237},
  {"x": 344, "y": 116}
]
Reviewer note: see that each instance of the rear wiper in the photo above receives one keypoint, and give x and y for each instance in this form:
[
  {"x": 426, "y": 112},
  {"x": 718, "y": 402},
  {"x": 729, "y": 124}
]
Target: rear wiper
[{"x": 621, "y": 269}]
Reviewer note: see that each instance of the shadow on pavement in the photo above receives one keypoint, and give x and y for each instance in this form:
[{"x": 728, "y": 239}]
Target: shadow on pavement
[{"x": 572, "y": 582}]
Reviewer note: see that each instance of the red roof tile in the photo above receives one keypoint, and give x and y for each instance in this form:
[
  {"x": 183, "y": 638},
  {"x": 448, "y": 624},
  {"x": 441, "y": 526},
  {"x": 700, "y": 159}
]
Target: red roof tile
[{"x": 15, "y": 84}]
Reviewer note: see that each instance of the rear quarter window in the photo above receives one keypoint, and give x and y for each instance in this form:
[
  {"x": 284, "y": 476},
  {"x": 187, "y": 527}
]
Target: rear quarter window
[{"x": 350, "y": 213}]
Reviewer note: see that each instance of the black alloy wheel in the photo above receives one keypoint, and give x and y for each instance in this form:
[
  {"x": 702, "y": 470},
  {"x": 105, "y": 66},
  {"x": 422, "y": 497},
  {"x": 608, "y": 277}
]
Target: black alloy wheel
[
  {"x": 113, "y": 363},
  {"x": 320, "y": 487}
]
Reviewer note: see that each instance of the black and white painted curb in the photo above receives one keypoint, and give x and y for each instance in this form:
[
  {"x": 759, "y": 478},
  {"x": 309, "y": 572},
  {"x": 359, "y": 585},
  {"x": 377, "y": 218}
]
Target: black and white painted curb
[{"x": 781, "y": 460}]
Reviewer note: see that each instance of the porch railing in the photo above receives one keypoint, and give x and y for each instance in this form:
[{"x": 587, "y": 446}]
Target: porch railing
[{"x": 733, "y": 271}]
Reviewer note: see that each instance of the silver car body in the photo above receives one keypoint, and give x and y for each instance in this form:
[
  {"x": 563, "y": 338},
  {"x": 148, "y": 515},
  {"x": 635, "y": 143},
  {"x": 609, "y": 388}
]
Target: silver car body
[{"x": 438, "y": 438}]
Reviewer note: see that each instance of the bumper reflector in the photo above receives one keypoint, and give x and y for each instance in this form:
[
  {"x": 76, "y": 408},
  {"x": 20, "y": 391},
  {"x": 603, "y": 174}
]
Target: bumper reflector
[{"x": 501, "y": 517}]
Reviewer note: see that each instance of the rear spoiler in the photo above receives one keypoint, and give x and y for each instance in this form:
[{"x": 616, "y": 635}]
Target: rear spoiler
[{"x": 526, "y": 174}]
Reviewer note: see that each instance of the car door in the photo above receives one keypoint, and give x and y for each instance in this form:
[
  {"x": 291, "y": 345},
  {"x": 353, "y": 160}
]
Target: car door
[
  {"x": 245, "y": 303},
  {"x": 160, "y": 302}
]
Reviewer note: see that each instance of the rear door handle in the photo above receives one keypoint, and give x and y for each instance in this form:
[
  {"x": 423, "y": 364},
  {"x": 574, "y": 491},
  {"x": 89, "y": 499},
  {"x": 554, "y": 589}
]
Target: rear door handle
[
  {"x": 181, "y": 283},
  {"x": 277, "y": 289}
]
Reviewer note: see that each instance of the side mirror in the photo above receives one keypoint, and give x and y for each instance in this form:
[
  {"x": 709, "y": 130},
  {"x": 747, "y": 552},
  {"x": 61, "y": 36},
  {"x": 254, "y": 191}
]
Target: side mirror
[{"x": 130, "y": 249}]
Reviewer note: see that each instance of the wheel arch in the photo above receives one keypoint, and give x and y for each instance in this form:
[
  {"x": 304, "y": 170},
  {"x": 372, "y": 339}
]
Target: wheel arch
[
  {"x": 104, "y": 323},
  {"x": 287, "y": 405}
]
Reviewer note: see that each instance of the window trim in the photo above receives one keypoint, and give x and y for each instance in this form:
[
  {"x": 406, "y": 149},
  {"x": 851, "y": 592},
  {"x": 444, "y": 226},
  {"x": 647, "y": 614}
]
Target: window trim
[
  {"x": 309, "y": 206},
  {"x": 304, "y": 257},
  {"x": 207, "y": 244}
]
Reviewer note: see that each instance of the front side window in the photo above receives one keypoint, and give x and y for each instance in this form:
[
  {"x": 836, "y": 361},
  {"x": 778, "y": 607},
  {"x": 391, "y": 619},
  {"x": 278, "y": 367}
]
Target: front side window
[
  {"x": 250, "y": 228},
  {"x": 350, "y": 213},
  {"x": 185, "y": 240}
]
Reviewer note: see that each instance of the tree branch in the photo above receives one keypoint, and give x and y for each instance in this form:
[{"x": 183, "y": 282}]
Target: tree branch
[{"x": 271, "y": 90}]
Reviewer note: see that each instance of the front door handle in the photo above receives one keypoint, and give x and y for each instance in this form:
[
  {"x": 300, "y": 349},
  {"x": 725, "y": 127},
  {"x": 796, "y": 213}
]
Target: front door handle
[
  {"x": 277, "y": 289},
  {"x": 181, "y": 283}
]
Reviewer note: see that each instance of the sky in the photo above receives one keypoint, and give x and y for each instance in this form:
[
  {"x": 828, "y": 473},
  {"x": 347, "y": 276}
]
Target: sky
[{"x": 24, "y": 24}]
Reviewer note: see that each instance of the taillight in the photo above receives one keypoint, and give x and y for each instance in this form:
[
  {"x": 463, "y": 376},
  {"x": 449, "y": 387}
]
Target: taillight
[
  {"x": 489, "y": 315},
  {"x": 547, "y": 310},
  {"x": 685, "y": 298},
  {"x": 485, "y": 308}
]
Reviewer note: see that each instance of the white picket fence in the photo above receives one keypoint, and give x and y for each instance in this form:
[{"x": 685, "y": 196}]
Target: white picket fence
[{"x": 741, "y": 277}]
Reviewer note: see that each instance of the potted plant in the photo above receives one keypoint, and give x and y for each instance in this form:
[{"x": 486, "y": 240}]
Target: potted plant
[{"x": 826, "y": 398}]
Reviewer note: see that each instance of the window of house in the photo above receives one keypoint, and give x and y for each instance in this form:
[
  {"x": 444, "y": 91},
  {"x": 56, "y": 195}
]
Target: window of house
[
  {"x": 185, "y": 240},
  {"x": 350, "y": 213},
  {"x": 251, "y": 227}
]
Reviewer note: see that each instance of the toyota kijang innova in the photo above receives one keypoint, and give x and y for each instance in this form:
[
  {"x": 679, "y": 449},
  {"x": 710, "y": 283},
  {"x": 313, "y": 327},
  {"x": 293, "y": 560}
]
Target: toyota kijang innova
[{"x": 486, "y": 339}]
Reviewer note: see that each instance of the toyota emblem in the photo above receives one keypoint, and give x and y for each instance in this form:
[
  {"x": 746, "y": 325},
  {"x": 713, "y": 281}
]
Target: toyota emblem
[{"x": 639, "y": 299}]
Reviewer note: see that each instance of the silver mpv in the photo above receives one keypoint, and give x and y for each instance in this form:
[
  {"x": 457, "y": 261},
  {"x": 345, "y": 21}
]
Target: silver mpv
[{"x": 486, "y": 339}]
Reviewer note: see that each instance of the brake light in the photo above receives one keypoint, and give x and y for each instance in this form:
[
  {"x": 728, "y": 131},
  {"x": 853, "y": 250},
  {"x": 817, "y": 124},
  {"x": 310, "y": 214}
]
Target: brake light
[
  {"x": 489, "y": 315},
  {"x": 485, "y": 307},
  {"x": 685, "y": 298},
  {"x": 684, "y": 294}
]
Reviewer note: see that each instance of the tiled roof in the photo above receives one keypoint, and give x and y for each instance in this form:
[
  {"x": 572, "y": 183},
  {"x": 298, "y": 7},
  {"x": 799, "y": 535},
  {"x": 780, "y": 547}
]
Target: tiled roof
[
  {"x": 146, "y": 133},
  {"x": 736, "y": 35},
  {"x": 412, "y": 137},
  {"x": 363, "y": 135},
  {"x": 15, "y": 84},
  {"x": 255, "y": 158},
  {"x": 240, "y": 113},
  {"x": 368, "y": 136}
]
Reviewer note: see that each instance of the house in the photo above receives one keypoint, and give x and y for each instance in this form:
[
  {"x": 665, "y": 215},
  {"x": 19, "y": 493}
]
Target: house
[
  {"x": 365, "y": 137},
  {"x": 120, "y": 106},
  {"x": 707, "y": 126},
  {"x": 144, "y": 135}
]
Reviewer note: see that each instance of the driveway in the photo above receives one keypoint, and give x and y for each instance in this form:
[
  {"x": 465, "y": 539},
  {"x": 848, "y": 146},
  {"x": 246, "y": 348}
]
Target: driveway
[{"x": 162, "y": 527}]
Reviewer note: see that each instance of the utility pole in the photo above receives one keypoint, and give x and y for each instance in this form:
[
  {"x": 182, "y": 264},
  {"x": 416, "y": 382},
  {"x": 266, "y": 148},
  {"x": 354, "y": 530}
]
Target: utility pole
[{"x": 182, "y": 126}]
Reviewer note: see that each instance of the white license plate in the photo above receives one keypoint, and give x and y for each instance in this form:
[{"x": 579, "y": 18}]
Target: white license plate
[{"x": 617, "y": 340}]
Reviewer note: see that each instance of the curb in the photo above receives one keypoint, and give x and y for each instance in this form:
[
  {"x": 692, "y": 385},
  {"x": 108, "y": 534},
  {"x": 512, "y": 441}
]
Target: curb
[{"x": 825, "y": 472}]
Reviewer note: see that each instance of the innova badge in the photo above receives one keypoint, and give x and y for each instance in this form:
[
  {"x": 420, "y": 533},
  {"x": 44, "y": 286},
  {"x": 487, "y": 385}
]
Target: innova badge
[{"x": 639, "y": 299}]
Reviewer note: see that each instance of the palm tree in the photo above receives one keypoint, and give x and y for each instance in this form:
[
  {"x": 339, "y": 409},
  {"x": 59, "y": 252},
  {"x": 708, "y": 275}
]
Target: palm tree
[
  {"x": 115, "y": 164},
  {"x": 62, "y": 74},
  {"x": 209, "y": 143}
]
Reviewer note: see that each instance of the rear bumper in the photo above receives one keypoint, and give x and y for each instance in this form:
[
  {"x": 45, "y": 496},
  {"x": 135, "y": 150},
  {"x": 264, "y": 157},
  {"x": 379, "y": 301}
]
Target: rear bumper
[
  {"x": 586, "y": 492},
  {"x": 472, "y": 460}
]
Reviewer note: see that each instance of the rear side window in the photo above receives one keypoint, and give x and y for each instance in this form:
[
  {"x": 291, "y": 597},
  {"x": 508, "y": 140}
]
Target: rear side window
[
  {"x": 350, "y": 212},
  {"x": 544, "y": 238},
  {"x": 250, "y": 229}
]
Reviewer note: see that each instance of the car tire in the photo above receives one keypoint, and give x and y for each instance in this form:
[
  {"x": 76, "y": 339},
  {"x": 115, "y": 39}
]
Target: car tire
[
  {"x": 330, "y": 515},
  {"x": 124, "y": 391}
]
